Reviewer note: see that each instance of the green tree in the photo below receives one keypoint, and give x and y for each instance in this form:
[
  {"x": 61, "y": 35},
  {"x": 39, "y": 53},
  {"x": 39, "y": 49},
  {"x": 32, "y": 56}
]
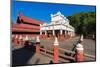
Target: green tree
[{"x": 84, "y": 22}]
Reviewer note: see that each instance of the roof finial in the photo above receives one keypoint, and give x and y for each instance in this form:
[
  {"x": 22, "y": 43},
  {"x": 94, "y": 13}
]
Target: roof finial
[
  {"x": 20, "y": 14},
  {"x": 58, "y": 12},
  {"x": 51, "y": 15}
]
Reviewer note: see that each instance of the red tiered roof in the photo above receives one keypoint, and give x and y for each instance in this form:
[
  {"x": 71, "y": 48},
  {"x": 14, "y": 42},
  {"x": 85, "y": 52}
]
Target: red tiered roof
[
  {"x": 26, "y": 26},
  {"x": 31, "y": 20}
]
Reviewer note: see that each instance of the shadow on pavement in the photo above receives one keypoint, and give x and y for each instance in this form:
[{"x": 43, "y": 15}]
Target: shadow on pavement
[{"x": 21, "y": 56}]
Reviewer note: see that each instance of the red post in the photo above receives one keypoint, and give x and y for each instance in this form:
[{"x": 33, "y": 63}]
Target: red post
[
  {"x": 23, "y": 40},
  {"x": 56, "y": 51},
  {"x": 13, "y": 36},
  {"x": 16, "y": 40},
  {"x": 20, "y": 39},
  {"x": 37, "y": 45},
  {"x": 62, "y": 37},
  {"x": 79, "y": 52},
  {"x": 26, "y": 38},
  {"x": 41, "y": 36}
]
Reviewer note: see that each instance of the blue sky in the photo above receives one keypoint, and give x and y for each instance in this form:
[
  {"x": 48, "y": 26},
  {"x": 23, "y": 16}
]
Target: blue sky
[{"x": 42, "y": 11}]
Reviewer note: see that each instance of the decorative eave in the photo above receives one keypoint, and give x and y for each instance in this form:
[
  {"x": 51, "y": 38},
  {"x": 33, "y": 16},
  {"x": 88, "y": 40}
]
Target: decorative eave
[
  {"x": 26, "y": 26},
  {"x": 24, "y": 30}
]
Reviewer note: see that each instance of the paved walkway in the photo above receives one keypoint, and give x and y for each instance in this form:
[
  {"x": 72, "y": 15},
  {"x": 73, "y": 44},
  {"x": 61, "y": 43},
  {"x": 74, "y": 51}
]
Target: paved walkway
[
  {"x": 89, "y": 45},
  {"x": 39, "y": 59},
  {"x": 33, "y": 58}
]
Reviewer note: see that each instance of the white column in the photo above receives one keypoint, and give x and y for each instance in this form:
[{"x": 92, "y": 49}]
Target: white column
[
  {"x": 60, "y": 32},
  {"x": 71, "y": 33},
  {"x": 53, "y": 32},
  {"x": 65, "y": 32},
  {"x": 40, "y": 32},
  {"x": 45, "y": 32},
  {"x": 68, "y": 33}
]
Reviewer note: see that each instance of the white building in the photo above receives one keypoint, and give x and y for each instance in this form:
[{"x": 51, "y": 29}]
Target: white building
[{"x": 59, "y": 26}]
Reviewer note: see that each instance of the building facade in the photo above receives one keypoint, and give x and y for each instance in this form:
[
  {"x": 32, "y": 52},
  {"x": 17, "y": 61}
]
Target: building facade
[
  {"x": 26, "y": 26},
  {"x": 59, "y": 27}
]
